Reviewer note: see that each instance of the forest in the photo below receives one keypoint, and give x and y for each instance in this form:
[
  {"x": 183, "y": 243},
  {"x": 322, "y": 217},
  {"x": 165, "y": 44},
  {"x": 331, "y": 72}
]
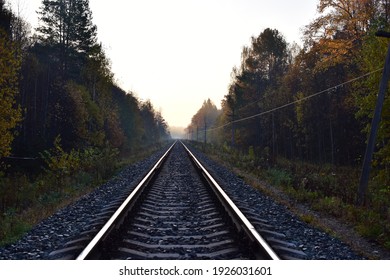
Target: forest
[
  {"x": 295, "y": 115},
  {"x": 63, "y": 119},
  {"x": 302, "y": 114}
]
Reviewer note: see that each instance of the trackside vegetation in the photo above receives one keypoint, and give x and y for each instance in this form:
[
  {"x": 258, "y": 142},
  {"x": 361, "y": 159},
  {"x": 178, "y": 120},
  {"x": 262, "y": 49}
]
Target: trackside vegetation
[
  {"x": 299, "y": 116},
  {"x": 65, "y": 125}
]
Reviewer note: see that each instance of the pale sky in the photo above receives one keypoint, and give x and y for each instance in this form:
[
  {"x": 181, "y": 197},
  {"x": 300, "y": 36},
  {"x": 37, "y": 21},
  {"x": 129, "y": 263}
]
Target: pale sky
[{"x": 178, "y": 53}]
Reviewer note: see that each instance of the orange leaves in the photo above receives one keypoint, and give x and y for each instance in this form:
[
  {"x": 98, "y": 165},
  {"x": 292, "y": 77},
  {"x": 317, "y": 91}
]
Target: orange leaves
[{"x": 339, "y": 30}]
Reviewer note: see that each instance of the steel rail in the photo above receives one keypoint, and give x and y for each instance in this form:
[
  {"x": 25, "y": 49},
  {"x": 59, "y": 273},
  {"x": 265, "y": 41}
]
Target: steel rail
[
  {"x": 122, "y": 210},
  {"x": 235, "y": 213}
]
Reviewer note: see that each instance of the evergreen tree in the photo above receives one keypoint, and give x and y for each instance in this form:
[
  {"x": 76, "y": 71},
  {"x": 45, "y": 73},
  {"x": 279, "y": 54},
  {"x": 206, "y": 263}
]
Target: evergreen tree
[
  {"x": 252, "y": 89},
  {"x": 66, "y": 27},
  {"x": 5, "y": 17}
]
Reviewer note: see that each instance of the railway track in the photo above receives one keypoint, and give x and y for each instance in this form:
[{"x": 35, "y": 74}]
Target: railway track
[{"x": 178, "y": 211}]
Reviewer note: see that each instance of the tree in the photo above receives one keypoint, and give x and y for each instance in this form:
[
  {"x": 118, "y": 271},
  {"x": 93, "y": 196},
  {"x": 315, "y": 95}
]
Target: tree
[
  {"x": 372, "y": 55},
  {"x": 66, "y": 27},
  {"x": 271, "y": 76},
  {"x": 10, "y": 113},
  {"x": 253, "y": 89},
  {"x": 204, "y": 119},
  {"x": 268, "y": 55},
  {"x": 68, "y": 89},
  {"x": 338, "y": 31},
  {"x": 129, "y": 117},
  {"x": 332, "y": 44},
  {"x": 5, "y": 18}
]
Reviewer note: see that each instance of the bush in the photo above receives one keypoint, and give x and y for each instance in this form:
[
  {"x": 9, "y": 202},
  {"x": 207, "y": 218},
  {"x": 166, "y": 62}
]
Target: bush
[
  {"x": 279, "y": 177},
  {"x": 11, "y": 228},
  {"x": 65, "y": 166},
  {"x": 370, "y": 224},
  {"x": 326, "y": 188},
  {"x": 330, "y": 205},
  {"x": 66, "y": 175},
  {"x": 60, "y": 164}
]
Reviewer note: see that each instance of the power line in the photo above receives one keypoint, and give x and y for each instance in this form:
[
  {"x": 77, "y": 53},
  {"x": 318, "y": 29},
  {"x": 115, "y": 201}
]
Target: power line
[
  {"x": 296, "y": 101},
  {"x": 21, "y": 158}
]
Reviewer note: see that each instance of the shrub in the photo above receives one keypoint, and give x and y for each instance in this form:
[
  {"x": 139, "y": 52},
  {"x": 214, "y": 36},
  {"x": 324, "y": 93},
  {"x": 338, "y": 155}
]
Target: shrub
[
  {"x": 331, "y": 205},
  {"x": 66, "y": 175},
  {"x": 60, "y": 164},
  {"x": 279, "y": 177}
]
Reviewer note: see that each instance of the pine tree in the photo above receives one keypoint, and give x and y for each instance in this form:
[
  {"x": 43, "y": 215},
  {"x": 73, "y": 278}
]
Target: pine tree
[
  {"x": 5, "y": 17},
  {"x": 66, "y": 27}
]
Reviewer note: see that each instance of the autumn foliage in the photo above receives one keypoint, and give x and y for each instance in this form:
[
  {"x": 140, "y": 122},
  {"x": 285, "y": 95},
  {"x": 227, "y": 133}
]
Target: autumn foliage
[{"x": 304, "y": 112}]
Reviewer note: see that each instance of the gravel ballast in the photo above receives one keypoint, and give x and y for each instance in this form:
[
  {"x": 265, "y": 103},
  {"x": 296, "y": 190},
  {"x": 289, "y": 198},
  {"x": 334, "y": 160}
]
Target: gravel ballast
[
  {"x": 69, "y": 222},
  {"x": 315, "y": 243}
]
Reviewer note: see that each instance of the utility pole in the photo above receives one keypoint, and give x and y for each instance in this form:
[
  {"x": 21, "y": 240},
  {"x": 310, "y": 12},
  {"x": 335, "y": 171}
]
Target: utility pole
[
  {"x": 364, "y": 178},
  {"x": 273, "y": 137},
  {"x": 205, "y": 132},
  {"x": 233, "y": 129}
]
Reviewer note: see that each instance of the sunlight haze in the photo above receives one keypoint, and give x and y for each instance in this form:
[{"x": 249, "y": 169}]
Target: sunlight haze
[{"x": 179, "y": 53}]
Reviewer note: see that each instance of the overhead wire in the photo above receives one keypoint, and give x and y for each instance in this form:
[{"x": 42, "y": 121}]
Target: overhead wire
[{"x": 295, "y": 102}]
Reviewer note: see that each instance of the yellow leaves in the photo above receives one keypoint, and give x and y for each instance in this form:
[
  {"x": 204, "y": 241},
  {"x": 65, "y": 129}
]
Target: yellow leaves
[
  {"x": 10, "y": 115},
  {"x": 60, "y": 162},
  {"x": 333, "y": 52},
  {"x": 337, "y": 33}
]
